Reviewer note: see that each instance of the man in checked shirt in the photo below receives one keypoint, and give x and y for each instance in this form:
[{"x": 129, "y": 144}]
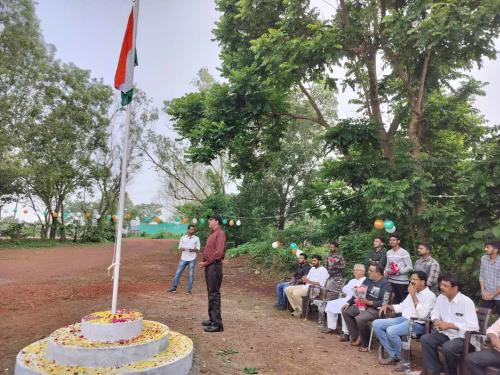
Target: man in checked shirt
[{"x": 489, "y": 276}]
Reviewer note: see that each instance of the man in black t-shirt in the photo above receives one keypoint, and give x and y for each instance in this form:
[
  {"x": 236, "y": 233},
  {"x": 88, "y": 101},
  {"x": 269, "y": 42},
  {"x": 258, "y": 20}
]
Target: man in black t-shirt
[{"x": 302, "y": 270}]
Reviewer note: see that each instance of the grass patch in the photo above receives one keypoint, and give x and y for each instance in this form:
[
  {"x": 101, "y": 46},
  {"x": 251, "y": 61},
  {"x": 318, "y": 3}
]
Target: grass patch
[{"x": 38, "y": 243}]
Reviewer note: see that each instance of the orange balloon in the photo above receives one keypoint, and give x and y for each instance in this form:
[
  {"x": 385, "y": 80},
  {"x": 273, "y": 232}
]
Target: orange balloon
[
  {"x": 185, "y": 220},
  {"x": 25, "y": 211},
  {"x": 231, "y": 222},
  {"x": 128, "y": 216},
  {"x": 379, "y": 224},
  {"x": 88, "y": 215},
  {"x": 54, "y": 214},
  {"x": 157, "y": 220},
  {"x": 114, "y": 217}
]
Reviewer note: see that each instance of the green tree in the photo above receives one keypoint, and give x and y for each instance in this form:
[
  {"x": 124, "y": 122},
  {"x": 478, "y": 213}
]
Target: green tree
[{"x": 56, "y": 148}]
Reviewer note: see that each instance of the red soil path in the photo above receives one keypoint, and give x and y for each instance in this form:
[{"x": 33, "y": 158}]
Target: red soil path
[{"x": 44, "y": 289}]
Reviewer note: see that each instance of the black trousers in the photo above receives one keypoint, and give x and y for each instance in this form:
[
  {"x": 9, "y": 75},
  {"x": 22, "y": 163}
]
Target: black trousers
[
  {"x": 477, "y": 362},
  {"x": 494, "y": 304},
  {"x": 357, "y": 322},
  {"x": 452, "y": 350},
  {"x": 400, "y": 292},
  {"x": 213, "y": 278}
]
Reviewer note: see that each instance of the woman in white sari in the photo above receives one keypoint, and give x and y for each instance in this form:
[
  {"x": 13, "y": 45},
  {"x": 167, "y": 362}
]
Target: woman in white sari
[{"x": 333, "y": 308}]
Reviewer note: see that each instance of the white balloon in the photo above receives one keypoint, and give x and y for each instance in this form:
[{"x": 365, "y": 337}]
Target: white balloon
[
  {"x": 298, "y": 252},
  {"x": 238, "y": 222},
  {"x": 275, "y": 245},
  {"x": 194, "y": 221},
  {"x": 97, "y": 216},
  {"x": 392, "y": 230}
]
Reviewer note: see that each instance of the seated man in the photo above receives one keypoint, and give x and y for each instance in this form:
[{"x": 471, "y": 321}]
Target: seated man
[
  {"x": 302, "y": 269},
  {"x": 333, "y": 307},
  {"x": 359, "y": 311},
  {"x": 477, "y": 362},
  {"x": 333, "y": 287},
  {"x": 453, "y": 315},
  {"x": 418, "y": 304},
  {"x": 317, "y": 276}
]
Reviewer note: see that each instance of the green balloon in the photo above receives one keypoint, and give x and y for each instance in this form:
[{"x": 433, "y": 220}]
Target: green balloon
[
  {"x": 108, "y": 217},
  {"x": 388, "y": 224},
  {"x": 202, "y": 221},
  {"x": 224, "y": 221},
  {"x": 294, "y": 246}
]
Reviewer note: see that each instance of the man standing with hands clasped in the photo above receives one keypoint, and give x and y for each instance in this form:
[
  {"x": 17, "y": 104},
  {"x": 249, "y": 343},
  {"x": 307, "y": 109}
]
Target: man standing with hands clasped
[
  {"x": 213, "y": 254},
  {"x": 189, "y": 245}
]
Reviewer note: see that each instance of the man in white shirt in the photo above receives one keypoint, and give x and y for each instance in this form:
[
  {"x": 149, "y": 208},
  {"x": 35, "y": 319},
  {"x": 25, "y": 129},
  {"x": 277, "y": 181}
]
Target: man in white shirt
[
  {"x": 418, "y": 304},
  {"x": 316, "y": 276},
  {"x": 189, "y": 244},
  {"x": 333, "y": 308},
  {"x": 452, "y": 316}
]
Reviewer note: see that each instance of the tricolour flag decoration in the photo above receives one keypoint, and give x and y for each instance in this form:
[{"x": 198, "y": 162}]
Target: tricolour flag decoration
[{"x": 128, "y": 60}]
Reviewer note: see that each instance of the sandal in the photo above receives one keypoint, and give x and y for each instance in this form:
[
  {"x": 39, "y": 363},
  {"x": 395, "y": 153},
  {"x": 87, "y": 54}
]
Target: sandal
[{"x": 362, "y": 349}]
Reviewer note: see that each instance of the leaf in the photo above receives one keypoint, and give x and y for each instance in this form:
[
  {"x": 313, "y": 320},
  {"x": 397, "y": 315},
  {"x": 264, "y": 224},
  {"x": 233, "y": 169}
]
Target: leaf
[{"x": 250, "y": 370}]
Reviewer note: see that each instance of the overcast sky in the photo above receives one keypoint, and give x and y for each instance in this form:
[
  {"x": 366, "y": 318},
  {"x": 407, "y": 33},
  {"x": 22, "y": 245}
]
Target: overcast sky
[{"x": 174, "y": 42}]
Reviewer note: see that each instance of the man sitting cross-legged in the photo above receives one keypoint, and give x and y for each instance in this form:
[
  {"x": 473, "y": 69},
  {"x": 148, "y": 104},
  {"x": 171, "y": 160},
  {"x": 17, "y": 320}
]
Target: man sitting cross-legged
[
  {"x": 453, "y": 315},
  {"x": 317, "y": 276},
  {"x": 358, "y": 312},
  {"x": 418, "y": 304},
  {"x": 302, "y": 270},
  {"x": 333, "y": 308}
]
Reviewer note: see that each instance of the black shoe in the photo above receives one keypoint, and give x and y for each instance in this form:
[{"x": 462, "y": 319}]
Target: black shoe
[
  {"x": 172, "y": 290},
  {"x": 214, "y": 328},
  {"x": 344, "y": 338},
  {"x": 206, "y": 323}
]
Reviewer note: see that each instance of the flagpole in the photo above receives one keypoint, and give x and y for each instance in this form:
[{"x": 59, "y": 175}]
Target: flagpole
[{"x": 123, "y": 180}]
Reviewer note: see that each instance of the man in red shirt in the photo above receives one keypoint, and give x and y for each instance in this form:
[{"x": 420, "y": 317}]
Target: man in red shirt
[{"x": 213, "y": 254}]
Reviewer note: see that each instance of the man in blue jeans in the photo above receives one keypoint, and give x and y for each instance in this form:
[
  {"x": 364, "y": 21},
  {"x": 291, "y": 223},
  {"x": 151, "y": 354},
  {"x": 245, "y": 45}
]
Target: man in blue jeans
[
  {"x": 189, "y": 245},
  {"x": 418, "y": 304},
  {"x": 302, "y": 270}
]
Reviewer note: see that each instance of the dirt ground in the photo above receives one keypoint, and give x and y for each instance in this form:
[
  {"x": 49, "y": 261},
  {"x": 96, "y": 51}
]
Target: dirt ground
[{"x": 44, "y": 289}]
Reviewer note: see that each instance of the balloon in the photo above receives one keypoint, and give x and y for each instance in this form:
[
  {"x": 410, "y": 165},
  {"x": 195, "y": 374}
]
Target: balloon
[
  {"x": 14, "y": 210},
  {"x": 388, "y": 224},
  {"x": 392, "y": 230},
  {"x": 275, "y": 245},
  {"x": 224, "y": 221},
  {"x": 128, "y": 216},
  {"x": 115, "y": 218},
  {"x": 293, "y": 246},
  {"x": 54, "y": 214},
  {"x": 157, "y": 220},
  {"x": 177, "y": 220},
  {"x": 231, "y": 222},
  {"x": 25, "y": 211},
  {"x": 238, "y": 222},
  {"x": 298, "y": 253},
  {"x": 185, "y": 220},
  {"x": 97, "y": 216},
  {"x": 45, "y": 213},
  {"x": 194, "y": 221},
  {"x": 147, "y": 219},
  {"x": 294, "y": 252},
  {"x": 202, "y": 221},
  {"x": 88, "y": 215},
  {"x": 108, "y": 217},
  {"x": 379, "y": 224}
]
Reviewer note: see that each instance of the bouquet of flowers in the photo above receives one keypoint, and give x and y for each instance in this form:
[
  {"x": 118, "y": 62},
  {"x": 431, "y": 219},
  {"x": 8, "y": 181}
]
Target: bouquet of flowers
[
  {"x": 359, "y": 294},
  {"x": 394, "y": 268}
]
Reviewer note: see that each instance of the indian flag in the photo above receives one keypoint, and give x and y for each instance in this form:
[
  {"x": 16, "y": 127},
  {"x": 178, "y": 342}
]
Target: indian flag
[{"x": 124, "y": 77}]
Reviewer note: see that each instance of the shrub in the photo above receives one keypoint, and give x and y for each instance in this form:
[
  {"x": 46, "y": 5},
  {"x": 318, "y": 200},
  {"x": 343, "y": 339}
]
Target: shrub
[{"x": 100, "y": 233}]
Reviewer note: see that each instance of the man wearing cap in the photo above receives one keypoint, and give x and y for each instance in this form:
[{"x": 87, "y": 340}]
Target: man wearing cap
[{"x": 213, "y": 254}]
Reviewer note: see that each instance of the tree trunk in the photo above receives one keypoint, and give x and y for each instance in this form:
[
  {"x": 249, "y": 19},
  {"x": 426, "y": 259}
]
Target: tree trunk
[{"x": 388, "y": 146}]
